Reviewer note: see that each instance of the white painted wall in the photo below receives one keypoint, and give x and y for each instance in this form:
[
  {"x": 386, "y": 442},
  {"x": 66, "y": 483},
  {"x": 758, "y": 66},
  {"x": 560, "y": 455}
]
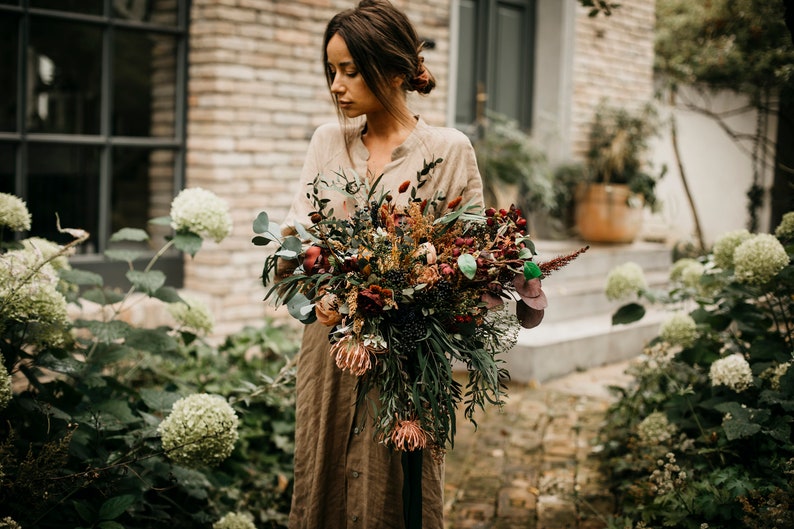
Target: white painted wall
[{"x": 718, "y": 170}]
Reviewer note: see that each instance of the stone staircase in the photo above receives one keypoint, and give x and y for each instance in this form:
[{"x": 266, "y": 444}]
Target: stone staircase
[{"x": 577, "y": 331}]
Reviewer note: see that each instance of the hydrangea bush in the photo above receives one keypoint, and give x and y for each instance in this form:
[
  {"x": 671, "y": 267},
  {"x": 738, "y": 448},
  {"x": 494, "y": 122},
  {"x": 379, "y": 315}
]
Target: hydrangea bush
[
  {"x": 702, "y": 437},
  {"x": 103, "y": 424}
]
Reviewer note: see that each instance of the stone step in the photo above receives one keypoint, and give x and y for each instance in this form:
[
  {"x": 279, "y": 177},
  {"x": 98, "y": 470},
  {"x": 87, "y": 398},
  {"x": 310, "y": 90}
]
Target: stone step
[
  {"x": 554, "y": 349},
  {"x": 577, "y": 298},
  {"x": 600, "y": 259}
]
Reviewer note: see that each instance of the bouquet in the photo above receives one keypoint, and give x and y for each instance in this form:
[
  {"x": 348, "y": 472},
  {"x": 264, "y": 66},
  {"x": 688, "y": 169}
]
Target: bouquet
[{"x": 409, "y": 295}]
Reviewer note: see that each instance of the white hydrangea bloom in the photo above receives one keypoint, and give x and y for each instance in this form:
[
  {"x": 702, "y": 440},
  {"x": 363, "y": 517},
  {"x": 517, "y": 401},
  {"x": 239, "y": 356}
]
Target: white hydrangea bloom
[
  {"x": 14, "y": 214},
  {"x": 655, "y": 429},
  {"x": 679, "y": 266},
  {"x": 192, "y": 314},
  {"x": 32, "y": 298},
  {"x": 732, "y": 371},
  {"x": 725, "y": 245},
  {"x": 234, "y": 520},
  {"x": 201, "y": 212},
  {"x": 48, "y": 250},
  {"x": 624, "y": 281},
  {"x": 679, "y": 329},
  {"x": 759, "y": 259},
  {"x": 200, "y": 430},
  {"x": 5, "y": 386},
  {"x": 785, "y": 230}
]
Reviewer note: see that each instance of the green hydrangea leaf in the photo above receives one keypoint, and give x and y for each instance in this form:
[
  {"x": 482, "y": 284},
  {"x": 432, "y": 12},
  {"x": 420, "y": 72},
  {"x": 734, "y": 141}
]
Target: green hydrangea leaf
[
  {"x": 129, "y": 234},
  {"x": 147, "y": 282},
  {"x": 628, "y": 313},
  {"x": 81, "y": 277},
  {"x": 190, "y": 243},
  {"x": 127, "y": 256}
]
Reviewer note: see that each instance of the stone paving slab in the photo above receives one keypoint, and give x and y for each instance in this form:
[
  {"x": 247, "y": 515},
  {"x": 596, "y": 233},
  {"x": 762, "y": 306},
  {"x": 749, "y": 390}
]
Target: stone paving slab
[{"x": 531, "y": 464}]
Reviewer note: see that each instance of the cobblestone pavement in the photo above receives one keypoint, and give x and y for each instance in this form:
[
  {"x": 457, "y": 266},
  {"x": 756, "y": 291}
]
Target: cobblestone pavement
[{"x": 532, "y": 464}]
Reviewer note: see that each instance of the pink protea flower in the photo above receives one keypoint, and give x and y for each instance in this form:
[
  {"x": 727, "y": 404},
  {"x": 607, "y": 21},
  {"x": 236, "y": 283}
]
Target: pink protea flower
[
  {"x": 408, "y": 435},
  {"x": 351, "y": 355}
]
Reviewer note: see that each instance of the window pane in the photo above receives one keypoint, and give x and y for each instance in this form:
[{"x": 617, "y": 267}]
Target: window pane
[
  {"x": 155, "y": 11},
  {"x": 64, "y": 179},
  {"x": 465, "y": 101},
  {"x": 65, "y": 80},
  {"x": 91, "y": 7},
  {"x": 506, "y": 90},
  {"x": 144, "y": 81},
  {"x": 9, "y": 35},
  {"x": 142, "y": 189},
  {"x": 7, "y": 168}
]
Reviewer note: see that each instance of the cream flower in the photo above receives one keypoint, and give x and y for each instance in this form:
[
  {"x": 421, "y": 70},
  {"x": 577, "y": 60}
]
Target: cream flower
[
  {"x": 687, "y": 272},
  {"x": 624, "y": 281},
  {"x": 732, "y": 371},
  {"x": 234, "y": 520},
  {"x": 759, "y": 259},
  {"x": 201, "y": 212},
  {"x": 785, "y": 230},
  {"x": 679, "y": 329},
  {"x": 49, "y": 251},
  {"x": 32, "y": 298},
  {"x": 14, "y": 213},
  {"x": 200, "y": 430},
  {"x": 725, "y": 245},
  {"x": 327, "y": 310},
  {"x": 192, "y": 314},
  {"x": 655, "y": 429}
]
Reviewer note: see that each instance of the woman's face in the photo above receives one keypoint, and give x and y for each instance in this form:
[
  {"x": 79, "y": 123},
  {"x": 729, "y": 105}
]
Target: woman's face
[{"x": 352, "y": 94}]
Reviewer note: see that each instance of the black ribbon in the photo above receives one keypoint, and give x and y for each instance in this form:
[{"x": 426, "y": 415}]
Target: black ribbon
[{"x": 412, "y": 488}]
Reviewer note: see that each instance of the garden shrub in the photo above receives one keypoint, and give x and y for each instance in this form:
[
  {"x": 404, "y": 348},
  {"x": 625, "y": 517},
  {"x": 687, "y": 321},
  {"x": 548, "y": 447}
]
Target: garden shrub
[
  {"x": 86, "y": 405},
  {"x": 702, "y": 436}
]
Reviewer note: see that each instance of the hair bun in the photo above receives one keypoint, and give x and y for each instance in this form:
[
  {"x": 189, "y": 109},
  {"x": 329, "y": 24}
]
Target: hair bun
[{"x": 423, "y": 81}]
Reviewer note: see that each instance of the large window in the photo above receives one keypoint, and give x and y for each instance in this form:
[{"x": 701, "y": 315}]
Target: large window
[
  {"x": 496, "y": 45},
  {"x": 92, "y": 104}
]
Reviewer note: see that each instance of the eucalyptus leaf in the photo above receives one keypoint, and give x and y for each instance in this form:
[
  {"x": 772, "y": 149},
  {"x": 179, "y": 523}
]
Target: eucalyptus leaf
[
  {"x": 161, "y": 221},
  {"x": 261, "y": 222},
  {"x": 468, "y": 265}
]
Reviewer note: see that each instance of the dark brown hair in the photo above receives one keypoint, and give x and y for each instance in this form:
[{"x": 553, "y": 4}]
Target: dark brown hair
[{"x": 383, "y": 44}]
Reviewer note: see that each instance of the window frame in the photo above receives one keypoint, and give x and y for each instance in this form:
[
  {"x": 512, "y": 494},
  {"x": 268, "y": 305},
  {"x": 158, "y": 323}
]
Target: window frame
[{"x": 105, "y": 140}]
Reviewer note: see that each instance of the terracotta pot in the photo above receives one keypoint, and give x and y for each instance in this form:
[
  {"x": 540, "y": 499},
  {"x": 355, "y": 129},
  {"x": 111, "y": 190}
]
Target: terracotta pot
[{"x": 608, "y": 213}]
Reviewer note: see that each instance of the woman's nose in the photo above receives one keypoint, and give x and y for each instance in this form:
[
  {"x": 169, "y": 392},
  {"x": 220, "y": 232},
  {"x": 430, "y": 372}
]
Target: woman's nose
[{"x": 336, "y": 85}]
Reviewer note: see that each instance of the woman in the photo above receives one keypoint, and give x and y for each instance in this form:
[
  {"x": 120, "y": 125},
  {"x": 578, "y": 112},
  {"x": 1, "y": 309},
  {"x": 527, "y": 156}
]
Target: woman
[{"x": 343, "y": 476}]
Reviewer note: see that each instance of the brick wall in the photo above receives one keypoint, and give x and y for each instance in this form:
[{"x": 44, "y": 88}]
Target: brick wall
[
  {"x": 256, "y": 92},
  {"x": 613, "y": 60}
]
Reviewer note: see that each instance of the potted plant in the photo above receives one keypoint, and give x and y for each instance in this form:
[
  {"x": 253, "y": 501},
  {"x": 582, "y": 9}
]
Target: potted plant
[
  {"x": 513, "y": 168},
  {"x": 616, "y": 182}
]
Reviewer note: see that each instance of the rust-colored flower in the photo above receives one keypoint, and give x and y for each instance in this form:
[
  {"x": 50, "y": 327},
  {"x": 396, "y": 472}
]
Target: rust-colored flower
[
  {"x": 408, "y": 435},
  {"x": 455, "y": 202},
  {"x": 371, "y": 300},
  {"x": 351, "y": 355},
  {"x": 404, "y": 186},
  {"x": 327, "y": 310},
  {"x": 428, "y": 275}
]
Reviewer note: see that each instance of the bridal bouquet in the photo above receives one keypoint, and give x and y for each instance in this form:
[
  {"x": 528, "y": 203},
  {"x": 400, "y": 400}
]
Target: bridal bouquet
[{"x": 410, "y": 295}]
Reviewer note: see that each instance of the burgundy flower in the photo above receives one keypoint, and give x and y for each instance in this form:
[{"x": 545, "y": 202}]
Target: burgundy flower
[{"x": 372, "y": 300}]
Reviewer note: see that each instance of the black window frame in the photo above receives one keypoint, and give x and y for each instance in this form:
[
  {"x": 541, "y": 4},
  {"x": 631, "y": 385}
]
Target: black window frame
[{"x": 112, "y": 271}]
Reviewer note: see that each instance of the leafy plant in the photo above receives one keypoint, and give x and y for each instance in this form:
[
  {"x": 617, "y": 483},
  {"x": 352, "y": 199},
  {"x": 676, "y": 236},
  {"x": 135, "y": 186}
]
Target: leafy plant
[
  {"x": 81, "y": 399},
  {"x": 703, "y": 435}
]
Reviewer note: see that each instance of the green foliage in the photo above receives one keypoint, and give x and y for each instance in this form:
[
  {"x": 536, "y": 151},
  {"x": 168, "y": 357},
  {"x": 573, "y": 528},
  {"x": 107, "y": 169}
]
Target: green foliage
[
  {"x": 78, "y": 441},
  {"x": 729, "y": 398},
  {"x": 507, "y": 155},
  {"x": 742, "y": 45}
]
